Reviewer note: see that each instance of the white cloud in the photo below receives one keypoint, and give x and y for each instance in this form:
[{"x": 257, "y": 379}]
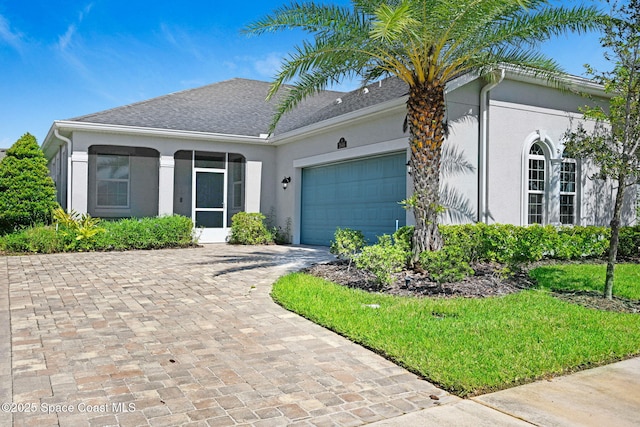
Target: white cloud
[
  {"x": 269, "y": 65},
  {"x": 230, "y": 65},
  {"x": 182, "y": 41},
  {"x": 9, "y": 36},
  {"x": 85, "y": 12},
  {"x": 65, "y": 40}
]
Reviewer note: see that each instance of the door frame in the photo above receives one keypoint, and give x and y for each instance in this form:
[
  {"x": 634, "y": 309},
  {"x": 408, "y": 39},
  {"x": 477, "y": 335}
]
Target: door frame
[{"x": 210, "y": 235}]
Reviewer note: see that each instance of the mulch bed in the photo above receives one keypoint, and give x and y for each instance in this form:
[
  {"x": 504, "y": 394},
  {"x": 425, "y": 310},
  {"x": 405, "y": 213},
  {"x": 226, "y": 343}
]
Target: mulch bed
[{"x": 488, "y": 281}]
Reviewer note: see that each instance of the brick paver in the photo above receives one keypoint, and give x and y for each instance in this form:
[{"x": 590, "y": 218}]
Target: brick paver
[{"x": 181, "y": 337}]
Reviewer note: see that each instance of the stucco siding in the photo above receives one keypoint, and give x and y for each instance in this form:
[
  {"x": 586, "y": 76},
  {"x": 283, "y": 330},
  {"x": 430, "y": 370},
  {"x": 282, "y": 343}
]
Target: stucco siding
[{"x": 462, "y": 116}]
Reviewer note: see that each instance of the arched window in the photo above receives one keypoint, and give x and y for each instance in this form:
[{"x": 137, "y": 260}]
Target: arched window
[{"x": 537, "y": 179}]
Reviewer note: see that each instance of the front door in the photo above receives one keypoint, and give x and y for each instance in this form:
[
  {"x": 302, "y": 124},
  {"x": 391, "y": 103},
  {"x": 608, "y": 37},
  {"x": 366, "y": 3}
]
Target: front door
[{"x": 210, "y": 201}]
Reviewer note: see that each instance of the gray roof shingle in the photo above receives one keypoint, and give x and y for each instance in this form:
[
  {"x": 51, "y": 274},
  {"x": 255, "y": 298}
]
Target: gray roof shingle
[{"x": 238, "y": 107}]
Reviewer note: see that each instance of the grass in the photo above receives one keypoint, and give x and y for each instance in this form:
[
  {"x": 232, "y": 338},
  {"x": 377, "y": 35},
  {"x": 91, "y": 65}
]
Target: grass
[
  {"x": 468, "y": 346},
  {"x": 589, "y": 277}
]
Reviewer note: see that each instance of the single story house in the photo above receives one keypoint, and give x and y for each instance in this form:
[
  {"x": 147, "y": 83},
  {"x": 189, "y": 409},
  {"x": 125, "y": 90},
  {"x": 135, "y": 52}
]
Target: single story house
[{"x": 338, "y": 160}]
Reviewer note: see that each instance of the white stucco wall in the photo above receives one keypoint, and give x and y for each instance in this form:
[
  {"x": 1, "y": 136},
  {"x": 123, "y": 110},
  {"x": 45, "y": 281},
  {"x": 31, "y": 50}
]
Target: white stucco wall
[
  {"x": 260, "y": 160},
  {"x": 519, "y": 113}
]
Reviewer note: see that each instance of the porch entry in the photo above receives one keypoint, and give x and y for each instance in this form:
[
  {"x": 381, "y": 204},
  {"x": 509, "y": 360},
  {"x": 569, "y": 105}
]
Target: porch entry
[{"x": 210, "y": 189}]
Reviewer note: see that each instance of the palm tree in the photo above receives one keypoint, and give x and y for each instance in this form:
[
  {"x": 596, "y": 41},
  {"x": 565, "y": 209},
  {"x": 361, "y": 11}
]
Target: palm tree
[{"x": 424, "y": 43}]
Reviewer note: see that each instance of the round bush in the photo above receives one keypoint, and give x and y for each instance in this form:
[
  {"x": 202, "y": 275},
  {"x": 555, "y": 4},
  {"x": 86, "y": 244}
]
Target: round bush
[{"x": 27, "y": 193}]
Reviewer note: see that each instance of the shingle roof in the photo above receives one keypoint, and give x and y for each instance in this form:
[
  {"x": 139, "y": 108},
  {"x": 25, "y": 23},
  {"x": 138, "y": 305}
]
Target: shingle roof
[
  {"x": 375, "y": 93},
  {"x": 238, "y": 107}
]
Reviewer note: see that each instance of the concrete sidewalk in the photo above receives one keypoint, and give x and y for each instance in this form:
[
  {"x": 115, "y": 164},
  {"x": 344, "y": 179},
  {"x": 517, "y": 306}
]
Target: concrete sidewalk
[{"x": 604, "y": 396}]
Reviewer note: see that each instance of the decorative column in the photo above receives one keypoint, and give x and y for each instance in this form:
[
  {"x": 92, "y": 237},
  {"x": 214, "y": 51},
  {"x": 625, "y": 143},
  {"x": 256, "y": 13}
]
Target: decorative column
[
  {"x": 253, "y": 186},
  {"x": 79, "y": 181},
  {"x": 165, "y": 185}
]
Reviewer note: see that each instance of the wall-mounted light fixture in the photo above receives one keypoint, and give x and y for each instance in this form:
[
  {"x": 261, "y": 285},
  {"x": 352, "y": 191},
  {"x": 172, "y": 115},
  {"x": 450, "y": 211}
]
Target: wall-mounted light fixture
[
  {"x": 285, "y": 182},
  {"x": 409, "y": 167}
]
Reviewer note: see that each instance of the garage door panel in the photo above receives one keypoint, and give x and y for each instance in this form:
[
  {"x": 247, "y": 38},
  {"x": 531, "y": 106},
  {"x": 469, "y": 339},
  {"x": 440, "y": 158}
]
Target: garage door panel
[{"x": 361, "y": 194}]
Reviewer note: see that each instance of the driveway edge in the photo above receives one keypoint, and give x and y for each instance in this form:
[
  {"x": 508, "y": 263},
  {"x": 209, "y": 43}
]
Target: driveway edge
[{"x": 6, "y": 379}]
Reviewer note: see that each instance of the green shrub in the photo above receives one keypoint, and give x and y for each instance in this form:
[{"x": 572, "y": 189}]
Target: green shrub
[
  {"x": 446, "y": 265},
  {"x": 347, "y": 244},
  {"x": 382, "y": 259},
  {"x": 629, "y": 242},
  {"x": 249, "y": 229},
  {"x": 146, "y": 233},
  {"x": 510, "y": 244},
  {"x": 402, "y": 238},
  {"x": 74, "y": 232},
  {"x": 27, "y": 193},
  {"x": 79, "y": 230},
  {"x": 37, "y": 239}
]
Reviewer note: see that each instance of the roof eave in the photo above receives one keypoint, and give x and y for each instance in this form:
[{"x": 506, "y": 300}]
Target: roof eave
[
  {"x": 573, "y": 83},
  {"x": 74, "y": 126}
]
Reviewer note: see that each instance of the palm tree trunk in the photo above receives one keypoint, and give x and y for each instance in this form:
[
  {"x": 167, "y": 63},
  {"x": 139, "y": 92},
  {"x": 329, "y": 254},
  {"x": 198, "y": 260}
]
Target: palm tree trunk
[
  {"x": 426, "y": 109},
  {"x": 615, "y": 233}
]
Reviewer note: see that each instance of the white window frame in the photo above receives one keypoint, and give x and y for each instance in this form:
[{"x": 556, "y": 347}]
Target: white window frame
[
  {"x": 574, "y": 193},
  {"x": 127, "y": 180},
  {"x": 544, "y": 192}
]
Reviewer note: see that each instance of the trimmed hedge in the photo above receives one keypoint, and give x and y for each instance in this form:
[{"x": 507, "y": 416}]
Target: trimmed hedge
[
  {"x": 145, "y": 233},
  {"x": 509, "y": 244},
  {"x": 629, "y": 243}
]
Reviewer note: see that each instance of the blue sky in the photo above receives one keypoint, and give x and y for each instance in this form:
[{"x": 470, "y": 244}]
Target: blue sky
[{"x": 60, "y": 60}]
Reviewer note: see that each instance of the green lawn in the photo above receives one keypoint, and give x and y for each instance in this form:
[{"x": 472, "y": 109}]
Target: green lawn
[
  {"x": 590, "y": 277},
  {"x": 469, "y": 346}
]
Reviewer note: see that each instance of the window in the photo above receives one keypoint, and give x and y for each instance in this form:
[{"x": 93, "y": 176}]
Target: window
[
  {"x": 536, "y": 185},
  {"x": 112, "y": 172},
  {"x": 236, "y": 168},
  {"x": 568, "y": 192}
]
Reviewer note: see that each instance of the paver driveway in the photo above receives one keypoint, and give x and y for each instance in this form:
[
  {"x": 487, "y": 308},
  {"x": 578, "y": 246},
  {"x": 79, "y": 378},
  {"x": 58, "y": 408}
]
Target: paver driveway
[{"x": 181, "y": 337}]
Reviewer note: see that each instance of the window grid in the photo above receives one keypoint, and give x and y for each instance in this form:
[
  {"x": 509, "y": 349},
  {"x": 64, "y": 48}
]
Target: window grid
[
  {"x": 568, "y": 192},
  {"x": 112, "y": 183},
  {"x": 536, "y": 185},
  {"x": 536, "y": 207}
]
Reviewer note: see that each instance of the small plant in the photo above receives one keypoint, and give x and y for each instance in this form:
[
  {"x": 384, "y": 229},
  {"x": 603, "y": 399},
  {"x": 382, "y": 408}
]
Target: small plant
[
  {"x": 81, "y": 228},
  {"x": 402, "y": 237},
  {"x": 446, "y": 265},
  {"x": 283, "y": 236},
  {"x": 250, "y": 229},
  {"x": 382, "y": 259},
  {"x": 347, "y": 244}
]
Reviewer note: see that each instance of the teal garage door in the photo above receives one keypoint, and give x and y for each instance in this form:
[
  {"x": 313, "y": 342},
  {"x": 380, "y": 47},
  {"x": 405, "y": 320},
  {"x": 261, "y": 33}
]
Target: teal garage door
[{"x": 360, "y": 194}]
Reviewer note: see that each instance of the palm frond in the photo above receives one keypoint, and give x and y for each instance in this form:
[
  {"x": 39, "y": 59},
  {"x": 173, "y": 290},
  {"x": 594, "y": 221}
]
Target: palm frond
[{"x": 309, "y": 17}]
